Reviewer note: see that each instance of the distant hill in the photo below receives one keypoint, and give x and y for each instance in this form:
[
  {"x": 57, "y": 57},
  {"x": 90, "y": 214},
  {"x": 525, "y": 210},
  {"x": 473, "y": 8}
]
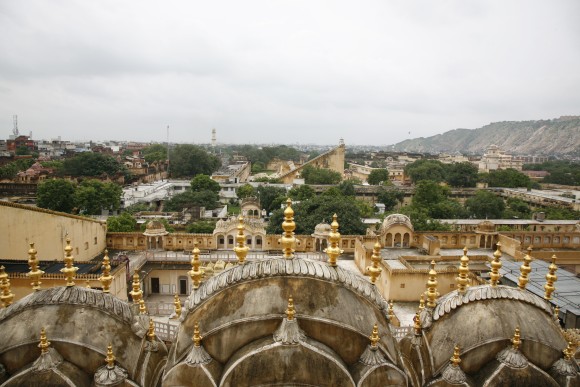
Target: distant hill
[{"x": 560, "y": 136}]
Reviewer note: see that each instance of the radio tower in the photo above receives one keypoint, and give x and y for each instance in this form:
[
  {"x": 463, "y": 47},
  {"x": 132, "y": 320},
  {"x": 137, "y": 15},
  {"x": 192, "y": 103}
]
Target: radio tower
[
  {"x": 15, "y": 129},
  {"x": 167, "y": 152},
  {"x": 213, "y": 139}
]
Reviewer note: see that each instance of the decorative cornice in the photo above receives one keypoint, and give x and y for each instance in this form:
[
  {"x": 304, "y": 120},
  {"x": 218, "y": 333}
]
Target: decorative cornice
[
  {"x": 74, "y": 295},
  {"x": 280, "y": 267},
  {"x": 453, "y": 300}
]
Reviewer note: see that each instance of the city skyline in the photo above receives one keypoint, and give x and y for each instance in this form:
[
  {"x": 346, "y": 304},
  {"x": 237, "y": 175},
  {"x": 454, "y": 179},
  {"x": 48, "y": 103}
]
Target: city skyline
[{"x": 280, "y": 72}]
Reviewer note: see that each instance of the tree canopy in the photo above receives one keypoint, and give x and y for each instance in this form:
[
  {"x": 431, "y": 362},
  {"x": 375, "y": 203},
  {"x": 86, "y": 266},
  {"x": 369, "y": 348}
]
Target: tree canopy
[
  {"x": 461, "y": 175},
  {"x": 561, "y": 171},
  {"x": 245, "y": 191},
  {"x": 56, "y": 195},
  {"x": 190, "y": 160},
  {"x": 485, "y": 205},
  {"x": 271, "y": 197},
  {"x": 378, "y": 176},
  {"x": 89, "y": 164},
  {"x": 313, "y": 175},
  {"x": 390, "y": 197},
  {"x": 301, "y": 192},
  {"x": 122, "y": 223},
  {"x": 10, "y": 170},
  {"x": 92, "y": 196},
  {"x": 155, "y": 153},
  {"x": 508, "y": 178},
  {"x": 425, "y": 169},
  {"x": 204, "y": 183}
]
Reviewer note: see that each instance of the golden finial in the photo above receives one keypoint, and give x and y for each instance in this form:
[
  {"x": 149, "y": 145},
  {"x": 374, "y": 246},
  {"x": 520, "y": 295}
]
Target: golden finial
[
  {"x": 110, "y": 359},
  {"x": 551, "y": 277},
  {"x": 151, "y": 330},
  {"x": 495, "y": 266},
  {"x": 422, "y": 302},
  {"x": 374, "y": 270},
  {"x": 196, "y": 336},
  {"x": 69, "y": 270},
  {"x": 569, "y": 351},
  {"x": 44, "y": 343},
  {"x": 34, "y": 274},
  {"x": 6, "y": 295},
  {"x": 375, "y": 336},
  {"x": 195, "y": 273},
  {"x": 177, "y": 303},
  {"x": 516, "y": 339},
  {"x": 390, "y": 311},
  {"x": 241, "y": 249},
  {"x": 525, "y": 270},
  {"x": 136, "y": 293},
  {"x": 432, "y": 286},
  {"x": 557, "y": 313},
  {"x": 290, "y": 312},
  {"x": 463, "y": 277},
  {"x": 455, "y": 360},
  {"x": 417, "y": 324},
  {"x": 288, "y": 240},
  {"x": 106, "y": 278},
  {"x": 333, "y": 251},
  {"x": 142, "y": 307}
]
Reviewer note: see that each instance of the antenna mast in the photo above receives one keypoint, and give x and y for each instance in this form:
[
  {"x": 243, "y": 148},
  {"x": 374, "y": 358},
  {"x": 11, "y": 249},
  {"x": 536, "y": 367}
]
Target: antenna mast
[
  {"x": 15, "y": 129},
  {"x": 167, "y": 152}
]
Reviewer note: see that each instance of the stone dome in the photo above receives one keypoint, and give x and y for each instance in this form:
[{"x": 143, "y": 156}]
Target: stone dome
[
  {"x": 486, "y": 226},
  {"x": 322, "y": 230},
  {"x": 155, "y": 228},
  {"x": 396, "y": 219}
]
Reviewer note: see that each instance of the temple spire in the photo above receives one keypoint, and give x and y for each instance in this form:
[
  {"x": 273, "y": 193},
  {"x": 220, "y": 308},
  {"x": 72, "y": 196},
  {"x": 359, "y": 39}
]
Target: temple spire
[
  {"x": 44, "y": 343},
  {"x": 241, "y": 249},
  {"x": 333, "y": 251},
  {"x": 69, "y": 270},
  {"x": 106, "y": 278},
  {"x": 463, "y": 277},
  {"x": 551, "y": 277},
  {"x": 422, "y": 302},
  {"x": 177, "y": 303},
  {"x": 375, "y": 270},
  {"x": 455, "y": 359},
  {"x": 195, "y": 273},
  {"x": 35, "y": 273},
  {"x": 525, "y": 270},
  {"x": 495, "y": 266},
  {"x": 374, "y": 337},
  {"x": 136, "y": 293},
  {"x": 516, "y": 339},
  {"x": 196, "y": 336},
  {"x": 288, "y": 239},
  {"x": 6, "y": 295},
  {"x": 432, "y": 287},
  {"x": 290, "y": 311}
]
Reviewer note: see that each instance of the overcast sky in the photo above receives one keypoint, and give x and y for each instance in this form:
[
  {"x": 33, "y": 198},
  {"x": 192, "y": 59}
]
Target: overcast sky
[{"x": 372, "y": 72}]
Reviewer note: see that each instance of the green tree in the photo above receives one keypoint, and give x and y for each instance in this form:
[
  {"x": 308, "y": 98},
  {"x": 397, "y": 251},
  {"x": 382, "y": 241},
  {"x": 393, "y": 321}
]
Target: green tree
[
  {"x": 485, "y": 205},
  {"x": 271, "y": 197},
  {"x": 190, "y": 160},
  {"x": 426, "y": 170},
  {"x": 390, "y": 197},
  {"x": 245, "y": 191},
  {"x": 509, "y": 178},
  {"x": 22, "y": 150},
  {"x": 461, "y": 175},
  {"x": 378, "y": 176},
  {"x": 516, "y": 209},
  {"x": 428, "y": 193},
  {"x": 137, "y": 207},
  {"x": 92, "y": 196},
  {"x": 91, "y": 164},
  {"x": 189, "y": 199},
  {"x": 56, "y": 194},
  {"x": 301, "y": 192},
  {"x": 154, "y": 153},
  {"x": 10, "y": 170},
  {"x": 201, "y": 227},
  {"x": 422, "y": 221},
  {"x": 313, "y": 175},
  {"x": 347, "y": 188},
  {"x": 122, "y": 223},
  {"x": 204, "y": 183}
]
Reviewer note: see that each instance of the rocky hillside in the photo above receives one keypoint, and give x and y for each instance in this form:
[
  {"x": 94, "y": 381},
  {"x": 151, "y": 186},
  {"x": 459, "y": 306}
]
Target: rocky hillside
[{"x": 560, "y": 136}]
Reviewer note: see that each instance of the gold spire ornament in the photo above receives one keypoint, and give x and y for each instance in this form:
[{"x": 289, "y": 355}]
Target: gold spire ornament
[
  {"x": 432, "y": 287},
  {"x": 374, "y": 270},
  {"x": 34, "y": 274},
  {"x": 288, "y": 239},
  {"x": 106, "y": 278},
  {"x": 569, "y": 351},
  {"x": 455, "y": 359},
  {"x": 177, "y": 303},
  {"x": 557, "y": 313},
  {"x": 417, "y": 324},
  {"x": 195, "y": 273},
  {"x": 525, "y": 270},
  {"x": 551, "y": 277},
  {"x": 422, "y": 302},
  {"x": 69, "y": 270},
  {"x": 151, "y": 330},
  {"x": 463, "y": 277},
  {"x": 391, "y": 312},
  {"x": 333, "y": 251},
  {"x": 44, "y": 343},
  {"x": 241, "y": 249},
  {"x": 290, "y": 311},
  {"x": 516, "y": 339},
  {"x": 136, "y": 293},
  {"x": 196, "y": 336},
  {"x": 6, "y": 295},
  {"x": 495, "y": 266},
  {"x": 110, "y": 359},
  {"x": 375, "y": 336},
  {"x": 142, "y": 307}
]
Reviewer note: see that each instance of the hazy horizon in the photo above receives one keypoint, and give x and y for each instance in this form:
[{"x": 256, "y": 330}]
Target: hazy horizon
[{"x": 283, "y": 72}]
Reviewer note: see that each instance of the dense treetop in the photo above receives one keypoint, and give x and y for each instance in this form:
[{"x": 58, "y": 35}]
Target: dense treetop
[
  {"x": 91, "y": 164},
  {"x": 190, "y": 160},
  {"x": 561, "y": 171}
]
